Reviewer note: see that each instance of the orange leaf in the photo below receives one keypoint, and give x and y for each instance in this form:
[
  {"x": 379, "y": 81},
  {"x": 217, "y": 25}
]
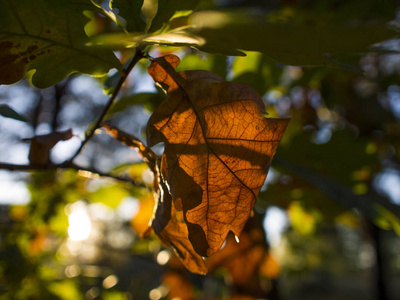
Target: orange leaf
[
  {"x": 179, "y": 286},
  {"x": 218, "y": 149},
  {"x": 243, "y": 259},
  {"x": 168, "y": 224},
  {"x": 270, "y": 267},
  {"x": 141, "y": 221}
]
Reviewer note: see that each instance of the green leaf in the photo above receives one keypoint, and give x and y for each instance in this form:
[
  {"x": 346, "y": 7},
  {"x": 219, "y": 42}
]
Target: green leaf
[
  {"x": 133, "y": 170},
  {"x": 293, "y": 43},
  {"x": 167, "y": 8},
  {"x": 387, "y": 219},
  {"x": 110, "y": 196},
  {"x": 110, "y": 82},
  {"x": 124, "y": 13},
  {"x": 174, "y": 38},
  {"x": 8, "y": 112},
  {"x": 48, "y": 36},
  {"x": 113, "y": 295},
  {"x": 149, "y": 100},
  {"x": 213, "y": 63},
  {"x": 257, "y": 70},
  {"x": 111, "y": 13},
  {"x": 328, "y": 176},
  {"x": 339, "y": 158},
  {"x": 307, "y": 42},
  {"x": 303, "y": 221},
  {"x": 66, "y": 289},
  {"x": 130, "y": 11}
]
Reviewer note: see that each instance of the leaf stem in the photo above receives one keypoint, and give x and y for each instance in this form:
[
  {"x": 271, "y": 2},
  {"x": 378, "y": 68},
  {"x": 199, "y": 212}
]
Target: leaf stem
[
  {"x": 145, "y": 152},
  {"x": 131, "y": 141},
  {"x": 139, "y": 54}
]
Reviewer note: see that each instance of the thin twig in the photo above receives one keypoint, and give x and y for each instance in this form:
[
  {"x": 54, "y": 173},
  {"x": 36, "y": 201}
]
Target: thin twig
[
  {"x": 138, "y": 55},
  {"x": 66, "y": 165},
  {"x": 59, "y": 90},
  {"x": 132, "y": 141}
]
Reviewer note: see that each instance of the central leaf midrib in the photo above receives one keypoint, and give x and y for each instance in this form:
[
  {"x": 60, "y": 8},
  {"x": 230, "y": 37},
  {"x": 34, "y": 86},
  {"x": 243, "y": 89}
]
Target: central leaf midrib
[
  {"x": 182, "y": 83},
  {"x": 210, "y": 149}
]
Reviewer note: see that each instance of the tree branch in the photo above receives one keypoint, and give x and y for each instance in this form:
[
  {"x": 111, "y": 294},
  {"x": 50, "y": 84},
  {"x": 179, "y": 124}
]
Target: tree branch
[
  {"x": 139, "y": 54},
  {"x": 131, "y": 141},
  {"x": 66, "y": 165}
]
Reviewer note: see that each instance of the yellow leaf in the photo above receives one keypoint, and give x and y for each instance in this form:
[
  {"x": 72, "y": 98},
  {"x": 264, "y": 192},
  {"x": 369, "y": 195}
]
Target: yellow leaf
[
  {"x": 303, "y": 222},
  {"x": 141, "y": 221}
]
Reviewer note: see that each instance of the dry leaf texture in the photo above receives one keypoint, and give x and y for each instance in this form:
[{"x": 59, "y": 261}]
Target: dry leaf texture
[
  {"x": 172, "y": 231},
  {"x": 218, "y": 149}
]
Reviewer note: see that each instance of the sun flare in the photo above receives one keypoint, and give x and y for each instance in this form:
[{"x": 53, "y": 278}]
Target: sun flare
[{"x": 79, "y": 225}]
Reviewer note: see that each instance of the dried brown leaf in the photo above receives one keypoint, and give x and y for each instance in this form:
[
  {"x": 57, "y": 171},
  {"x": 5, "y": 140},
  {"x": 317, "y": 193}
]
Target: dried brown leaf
[
  {"x": 218, "y": 149},
  {"x": 170, "y": 227}
]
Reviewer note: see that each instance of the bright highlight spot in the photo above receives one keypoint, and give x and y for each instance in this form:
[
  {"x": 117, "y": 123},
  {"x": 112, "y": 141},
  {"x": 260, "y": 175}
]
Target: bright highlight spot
[
  {"x": 128, "y": 208},
  {"x": 163, "y": 257},
  {"x": 237, "y": 239},
  {"x": 13, "y": 192},
  {"x": 92, "y": 293},
  {"x": 79, "y": 225},
  {"x": 72, "y": 271},
  {"x": 158, "y": 293},
  {"x": 275, "y": 223},
  {"x": 155, "y": 294},
  {"x": 388, "y": 183},
  {"x": 110, "y": 281},
  {"x": 148, "y": 176}
]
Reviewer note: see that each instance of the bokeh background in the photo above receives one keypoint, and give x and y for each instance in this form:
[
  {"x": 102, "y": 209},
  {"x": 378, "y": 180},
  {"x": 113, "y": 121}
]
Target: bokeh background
[{"x": 326, "y": 222}]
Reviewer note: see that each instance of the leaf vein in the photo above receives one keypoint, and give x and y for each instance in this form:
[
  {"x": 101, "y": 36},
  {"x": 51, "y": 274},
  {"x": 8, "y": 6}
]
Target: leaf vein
[
  {"x": 16, "y": 15},
  {"x": 56, "y": 43}
]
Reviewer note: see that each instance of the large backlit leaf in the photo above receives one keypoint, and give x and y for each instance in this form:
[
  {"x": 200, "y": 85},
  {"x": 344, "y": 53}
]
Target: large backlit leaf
[
  {"x": 218, "y": 148},
  {"x": 312, "y": 42},
  {"x": 293, "y": 43},
  {"x": 48, "y": 37}
]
